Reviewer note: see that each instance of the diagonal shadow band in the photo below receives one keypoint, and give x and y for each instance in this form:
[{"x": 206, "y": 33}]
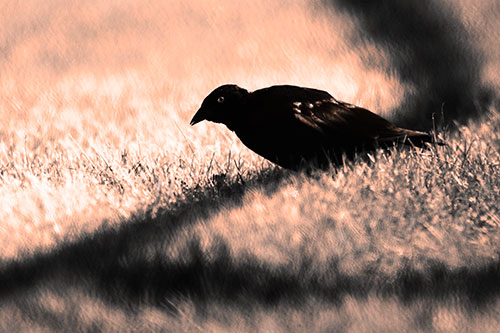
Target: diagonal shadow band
[
  {"x": 111, "y": 264},
  {"x": 95, "y": 252},
  {"x": 245, "y": 282}
]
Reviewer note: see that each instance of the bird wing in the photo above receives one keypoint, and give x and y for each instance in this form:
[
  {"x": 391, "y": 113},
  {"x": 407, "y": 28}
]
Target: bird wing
[
  {"x": 320, "y": 110},
  {"x": 336, "y": 119},
  {"x": 302, "y": 121}
]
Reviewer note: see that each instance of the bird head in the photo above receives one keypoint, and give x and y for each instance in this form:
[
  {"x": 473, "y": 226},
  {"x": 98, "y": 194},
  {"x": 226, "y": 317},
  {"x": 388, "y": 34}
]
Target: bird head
[{"x": 219, "y": 106}]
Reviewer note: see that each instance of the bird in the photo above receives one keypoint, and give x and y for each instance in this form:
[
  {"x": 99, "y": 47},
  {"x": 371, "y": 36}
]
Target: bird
[{"x": 296, "y": 127}]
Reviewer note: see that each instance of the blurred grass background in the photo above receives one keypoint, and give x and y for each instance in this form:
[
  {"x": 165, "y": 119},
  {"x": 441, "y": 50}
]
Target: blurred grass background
[{"x": 116, "y": 215}]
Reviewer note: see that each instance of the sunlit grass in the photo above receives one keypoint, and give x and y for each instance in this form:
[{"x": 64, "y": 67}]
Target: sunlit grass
[
  {"x": 116, "y": 215},
  {"x": 60, "y": 191},
  {"x": 211, "y": 242}
]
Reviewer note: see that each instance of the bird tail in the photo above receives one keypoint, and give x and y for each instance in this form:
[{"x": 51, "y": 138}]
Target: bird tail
[
  {"x": 420, "y": 139},
  {"x": 415, "y": 138}
]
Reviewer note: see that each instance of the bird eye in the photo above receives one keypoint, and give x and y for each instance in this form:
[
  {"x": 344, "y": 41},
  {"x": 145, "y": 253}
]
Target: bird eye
[{"x": 220, "y": 99}]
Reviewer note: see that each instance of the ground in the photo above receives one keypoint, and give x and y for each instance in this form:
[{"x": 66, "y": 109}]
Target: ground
[{"x": 116, "y": 215}]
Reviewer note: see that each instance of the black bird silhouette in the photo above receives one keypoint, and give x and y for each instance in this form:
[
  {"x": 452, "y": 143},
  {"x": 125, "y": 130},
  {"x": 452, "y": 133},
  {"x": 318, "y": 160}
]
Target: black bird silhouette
[{"x": 295, "y": 127}]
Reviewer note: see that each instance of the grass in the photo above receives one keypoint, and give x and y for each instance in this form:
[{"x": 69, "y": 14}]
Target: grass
[
  {"x": 117, "y": 216},
  {"x": 412, "y": 234}
]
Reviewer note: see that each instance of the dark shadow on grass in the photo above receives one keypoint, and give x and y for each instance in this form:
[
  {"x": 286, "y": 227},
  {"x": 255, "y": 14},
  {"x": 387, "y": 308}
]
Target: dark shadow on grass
[
  {"x": 113, "y": 266},
  {"x": 96, "y": 252},
  {"x": 430, "y": 49},
  {"x": 246, "y": 282}
]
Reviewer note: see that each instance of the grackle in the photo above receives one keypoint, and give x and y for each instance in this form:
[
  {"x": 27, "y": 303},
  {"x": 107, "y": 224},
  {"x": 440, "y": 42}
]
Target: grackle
[{"x": 297, "y": 127}]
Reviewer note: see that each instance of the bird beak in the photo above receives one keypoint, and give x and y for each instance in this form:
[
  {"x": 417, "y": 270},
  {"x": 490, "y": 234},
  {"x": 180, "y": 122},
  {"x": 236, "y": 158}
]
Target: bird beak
[{"x": 198, "y": 116}]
